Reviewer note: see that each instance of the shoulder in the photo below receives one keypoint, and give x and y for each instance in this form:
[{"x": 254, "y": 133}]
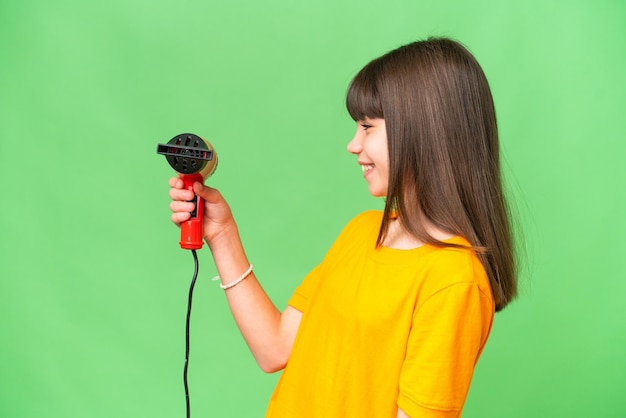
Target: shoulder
[
  {"x": 362, "y": 229},
  {"x": 370, "y": 218},
  {"x": 364, "y": 225},
  {"x": 452, "y": 266}
]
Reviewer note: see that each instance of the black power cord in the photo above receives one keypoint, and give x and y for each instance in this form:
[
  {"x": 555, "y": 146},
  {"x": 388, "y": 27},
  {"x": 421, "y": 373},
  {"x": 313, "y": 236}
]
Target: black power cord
[{"x": 193, "y": 283}]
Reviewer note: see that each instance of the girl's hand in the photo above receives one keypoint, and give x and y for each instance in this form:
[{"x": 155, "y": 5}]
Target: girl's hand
[{"x": 218, "y": 217}]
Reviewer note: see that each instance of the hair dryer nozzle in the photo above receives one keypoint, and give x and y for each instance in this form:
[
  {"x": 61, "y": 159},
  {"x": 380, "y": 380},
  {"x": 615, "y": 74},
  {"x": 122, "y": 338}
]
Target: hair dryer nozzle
[{"x": 189, "y": 154}]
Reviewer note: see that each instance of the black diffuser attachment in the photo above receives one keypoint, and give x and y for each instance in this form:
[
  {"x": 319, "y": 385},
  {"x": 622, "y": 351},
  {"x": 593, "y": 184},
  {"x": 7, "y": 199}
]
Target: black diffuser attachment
[{"x": 186, "y": 153}]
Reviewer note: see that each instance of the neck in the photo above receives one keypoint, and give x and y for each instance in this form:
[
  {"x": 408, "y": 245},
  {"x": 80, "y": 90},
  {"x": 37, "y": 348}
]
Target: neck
[{"x": 399, "y": 238}]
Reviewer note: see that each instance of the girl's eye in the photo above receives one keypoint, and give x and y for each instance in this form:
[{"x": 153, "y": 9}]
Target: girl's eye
[{"x": 365, "y": 126}]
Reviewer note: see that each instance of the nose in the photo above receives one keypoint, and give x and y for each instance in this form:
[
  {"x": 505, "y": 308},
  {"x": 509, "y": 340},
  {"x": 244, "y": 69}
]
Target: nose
[{"x": 355, "y": 146}]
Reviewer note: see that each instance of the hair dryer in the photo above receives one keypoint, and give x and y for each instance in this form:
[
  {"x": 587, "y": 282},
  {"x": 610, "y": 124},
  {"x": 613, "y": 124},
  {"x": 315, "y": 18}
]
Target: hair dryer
[{"x": 194, "y": 159}]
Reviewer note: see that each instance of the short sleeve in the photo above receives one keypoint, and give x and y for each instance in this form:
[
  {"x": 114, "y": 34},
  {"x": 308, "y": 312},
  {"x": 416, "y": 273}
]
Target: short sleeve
[
  {"x": 302, "y": 295},
  {"x": 448, "y": 333}
]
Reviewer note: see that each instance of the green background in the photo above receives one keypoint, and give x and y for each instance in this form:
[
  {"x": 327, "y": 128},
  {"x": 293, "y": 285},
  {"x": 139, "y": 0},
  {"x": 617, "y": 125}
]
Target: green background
[{"x": 93, "y": 285}]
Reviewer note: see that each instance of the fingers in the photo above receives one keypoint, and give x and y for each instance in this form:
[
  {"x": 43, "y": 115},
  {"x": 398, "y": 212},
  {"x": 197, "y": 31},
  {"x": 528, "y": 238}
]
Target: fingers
[
  {"x": 180, "y": 217},
  {"x": 180, "y": 205},
  {"x": 181, "y": 211},
  {"x": 178, "y": 192},
  {"x": 176, "y": 182},
  {"x": 181, "y": 194},
  {"x": 183, "y": 202}
]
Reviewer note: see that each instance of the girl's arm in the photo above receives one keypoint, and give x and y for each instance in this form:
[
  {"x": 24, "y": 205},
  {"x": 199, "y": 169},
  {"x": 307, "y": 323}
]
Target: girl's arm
[{"x": 268, "y": 332}]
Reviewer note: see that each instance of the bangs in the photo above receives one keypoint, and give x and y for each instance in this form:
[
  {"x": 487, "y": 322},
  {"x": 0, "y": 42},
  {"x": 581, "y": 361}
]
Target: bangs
[{"x": 362, "y": 100}]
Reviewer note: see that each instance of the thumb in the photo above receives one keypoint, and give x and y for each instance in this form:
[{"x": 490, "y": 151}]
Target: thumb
[{"x": 209, "y": 194}]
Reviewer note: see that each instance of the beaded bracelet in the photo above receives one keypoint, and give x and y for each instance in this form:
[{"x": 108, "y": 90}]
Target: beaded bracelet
[{"x": 236, "y": 282}]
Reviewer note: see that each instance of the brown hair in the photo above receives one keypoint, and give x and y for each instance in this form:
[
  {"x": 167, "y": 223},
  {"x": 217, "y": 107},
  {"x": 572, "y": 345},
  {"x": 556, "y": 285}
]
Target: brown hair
[{"x": 444, "y": 163}]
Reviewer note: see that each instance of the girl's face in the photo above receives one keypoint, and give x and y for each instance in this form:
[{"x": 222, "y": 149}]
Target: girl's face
[{"x": 370, "y": 146}]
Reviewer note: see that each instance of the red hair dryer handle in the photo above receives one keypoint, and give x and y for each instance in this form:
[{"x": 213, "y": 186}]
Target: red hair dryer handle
[{"x": 191, "y": 230}]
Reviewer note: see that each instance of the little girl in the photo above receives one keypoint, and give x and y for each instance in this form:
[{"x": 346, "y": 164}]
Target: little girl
[{"x": 393, "y": 320}]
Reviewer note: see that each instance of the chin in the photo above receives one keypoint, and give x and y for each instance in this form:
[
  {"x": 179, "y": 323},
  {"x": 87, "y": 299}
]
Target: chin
[{"x": 378, "y": 193}]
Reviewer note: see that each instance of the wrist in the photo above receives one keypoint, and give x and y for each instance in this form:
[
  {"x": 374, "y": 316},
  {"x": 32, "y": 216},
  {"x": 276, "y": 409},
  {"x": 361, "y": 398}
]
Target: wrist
[
  {"x": 225, "y": 244},
  {"x": 236, "y": 281},
  {"x": 224, "y": 234}
]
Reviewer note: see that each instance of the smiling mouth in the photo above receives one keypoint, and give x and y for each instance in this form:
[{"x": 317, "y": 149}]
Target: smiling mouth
[{"x": 367, "y": 167}]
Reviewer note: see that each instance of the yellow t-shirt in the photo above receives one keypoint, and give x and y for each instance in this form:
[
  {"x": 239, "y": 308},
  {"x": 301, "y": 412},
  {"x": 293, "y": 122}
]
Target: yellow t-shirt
[{"x": 384, "y": 328}]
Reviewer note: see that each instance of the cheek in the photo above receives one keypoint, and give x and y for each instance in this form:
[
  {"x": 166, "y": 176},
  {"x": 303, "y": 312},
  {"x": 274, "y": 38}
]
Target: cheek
[
  {"x": 380, "y": 150},
  {"x": 384, "y": 160}
]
